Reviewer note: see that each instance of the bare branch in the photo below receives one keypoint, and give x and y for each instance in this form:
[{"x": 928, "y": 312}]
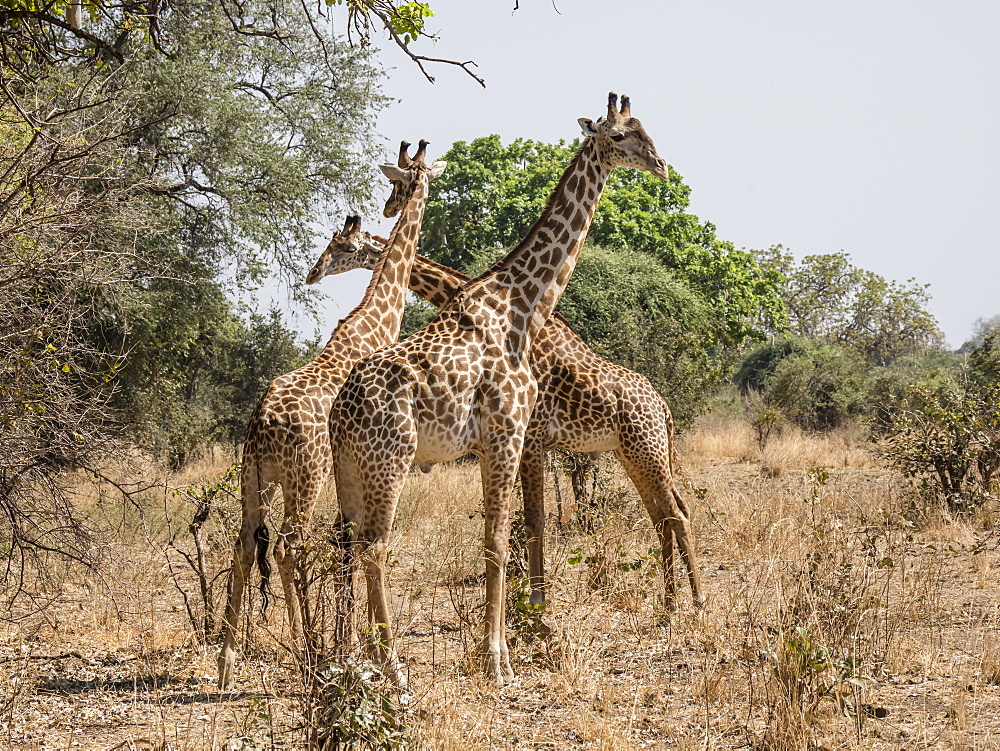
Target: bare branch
[
  {"x": 385, "y": 16},
  {"x": 251, "y": 31},
  {"x": 47, "y": 18}
]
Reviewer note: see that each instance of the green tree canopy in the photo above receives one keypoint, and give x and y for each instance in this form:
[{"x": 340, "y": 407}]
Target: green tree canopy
[
  {"x": 102, "y": 31},
  {"x": 634, "y": 311},
  {"x": 242, "y": 164},
  {"x": 827, "y": 297},
  {"x": 491, "y": 194},
  {"x": 251, "y": 154},
  {"x": 136, "y": 189},
  {"x": 817, "y": 386}
]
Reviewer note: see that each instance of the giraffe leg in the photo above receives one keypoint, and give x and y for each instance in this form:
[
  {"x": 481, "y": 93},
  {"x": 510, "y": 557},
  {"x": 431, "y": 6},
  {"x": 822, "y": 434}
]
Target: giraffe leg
[
  {"x": 254, "y": 502},
  {"x": 349, "y": 498},
  {"x": 685, "y": 541},
  {"x": 498, "y": 468},
  {"x": 300, "y": 499},
  {"x": 374, "y": 557},
  {"x": 532, "y": 473},
  {"x": 378, "y": 442},
  {"x": 344, "y": 634},
  {"x": 374, "y": 535},
  {"x": 664, "y": 533},
  {"x": 285, "y": 558},
  {"x": 649, "y": 470},
  {"x": 382, "y": 476}
]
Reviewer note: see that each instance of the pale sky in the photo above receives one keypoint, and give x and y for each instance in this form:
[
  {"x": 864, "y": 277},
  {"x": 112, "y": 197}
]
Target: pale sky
[{"x": 872, "y": 128}]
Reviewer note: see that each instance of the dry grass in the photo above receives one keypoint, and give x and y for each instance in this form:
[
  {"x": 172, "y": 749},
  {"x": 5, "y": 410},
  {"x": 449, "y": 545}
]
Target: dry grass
[
  {"x": 842, "y": 613},
  {"x": 724, "y": 439}
]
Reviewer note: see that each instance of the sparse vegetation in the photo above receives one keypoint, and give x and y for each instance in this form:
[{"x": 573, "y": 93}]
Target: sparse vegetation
[{"x": 826, "y": 585}]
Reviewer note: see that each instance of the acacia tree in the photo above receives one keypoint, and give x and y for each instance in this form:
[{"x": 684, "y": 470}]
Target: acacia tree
[
  {"x": 133, "y": 188},
  {"x": 240, "y": 164},
  {"x": 60, "y": 259},
  {"x": 855, "y": 345},
  {"x": 829, "y": 298}
]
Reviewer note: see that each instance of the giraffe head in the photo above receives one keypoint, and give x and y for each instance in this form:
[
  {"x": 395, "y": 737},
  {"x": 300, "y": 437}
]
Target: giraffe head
[
  {"x": 349, "y": 249},
  {"x": 404, "y": 174},
  {"x": 622, "y": 140}
]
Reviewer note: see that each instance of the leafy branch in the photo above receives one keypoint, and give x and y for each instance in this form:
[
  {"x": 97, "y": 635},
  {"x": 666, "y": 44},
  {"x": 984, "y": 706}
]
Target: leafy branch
[{"x": 40, "y": 29}]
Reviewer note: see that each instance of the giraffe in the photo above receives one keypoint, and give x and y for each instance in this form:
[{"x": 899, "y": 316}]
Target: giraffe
[
  {"x": 585, "y": 404},
  {"x": 463, "y": 384},
  {"x": 287, "y": 441}
]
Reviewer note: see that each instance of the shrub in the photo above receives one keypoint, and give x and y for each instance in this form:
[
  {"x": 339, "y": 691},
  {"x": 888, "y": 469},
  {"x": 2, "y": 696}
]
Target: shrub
[
  {"x": 889, "y": 387},
  {"x": 759, "y": 365},
  {"x": 949, "y": 439},
  {"x": 355, "y": 709},
  {"x": 815, "y": 386}
]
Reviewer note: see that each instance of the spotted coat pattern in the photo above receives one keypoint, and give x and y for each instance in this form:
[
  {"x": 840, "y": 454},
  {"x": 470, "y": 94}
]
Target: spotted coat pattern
[
  {"x": 584, "y": 404},
  {"x": 287, "y": 441},
  {"x": 463, "y": 384}
]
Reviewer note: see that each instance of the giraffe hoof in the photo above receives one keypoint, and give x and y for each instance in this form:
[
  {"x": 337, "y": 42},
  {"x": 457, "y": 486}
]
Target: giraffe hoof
[
  {"x": 227, "y": 671},
  {"x": 499, "y": 670},
  {"x": 227, "y": 682}
]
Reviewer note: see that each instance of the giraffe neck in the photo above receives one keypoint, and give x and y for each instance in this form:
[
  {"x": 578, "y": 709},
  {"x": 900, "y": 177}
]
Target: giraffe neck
[
  {"x": 437, "y": 284},
  {"x": 531, "y": 278},
  {"x": 375, "y": 321},
  {"x": 430, "y": 280},
  {"x": 434, "y": 282}
]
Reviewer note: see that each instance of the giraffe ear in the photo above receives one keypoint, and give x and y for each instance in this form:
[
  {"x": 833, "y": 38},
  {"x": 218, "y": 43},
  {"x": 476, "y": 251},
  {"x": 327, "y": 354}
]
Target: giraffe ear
[
  {"x": 374, "y": 242},
  {"x": 588, "y": 126},
  {"x": 436, "y": 169},
  {"x": 393, "y": 172}
]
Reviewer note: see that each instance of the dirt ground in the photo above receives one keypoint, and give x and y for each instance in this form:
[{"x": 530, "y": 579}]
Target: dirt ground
[{"x": 841, "y": 614}]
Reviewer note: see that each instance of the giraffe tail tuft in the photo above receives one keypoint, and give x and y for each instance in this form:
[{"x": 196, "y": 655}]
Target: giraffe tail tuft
[{"x": 261, "y": 538}]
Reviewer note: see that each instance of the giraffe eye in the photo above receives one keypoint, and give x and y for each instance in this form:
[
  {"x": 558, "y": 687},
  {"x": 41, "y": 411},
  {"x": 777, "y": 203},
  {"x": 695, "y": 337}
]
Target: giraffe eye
[{"x": 618, "y": 137}]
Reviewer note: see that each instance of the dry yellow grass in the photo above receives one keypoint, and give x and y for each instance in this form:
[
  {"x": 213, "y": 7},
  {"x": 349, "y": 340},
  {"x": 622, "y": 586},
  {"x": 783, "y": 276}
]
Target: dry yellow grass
[
  {"x": 841, "y": 614},
  {"x": 723, "y": 439}
]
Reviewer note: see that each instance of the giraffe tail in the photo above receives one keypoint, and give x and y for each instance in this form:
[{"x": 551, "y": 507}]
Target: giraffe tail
[
  {"x": 672, "y": 460},
  {"x": 261, "y": 538}
]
